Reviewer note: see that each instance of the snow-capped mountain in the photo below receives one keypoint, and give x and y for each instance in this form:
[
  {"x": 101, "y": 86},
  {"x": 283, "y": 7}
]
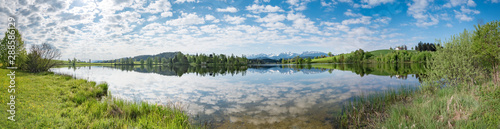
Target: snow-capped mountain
[
  {"x": 286, "y": 55},
  {"x": 285, "y": 70}
]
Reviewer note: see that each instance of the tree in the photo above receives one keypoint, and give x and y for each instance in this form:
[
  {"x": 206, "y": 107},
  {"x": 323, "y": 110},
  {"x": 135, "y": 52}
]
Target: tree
[
  {"x": 149, "y": 61},
  {"x": 308, "y": 60},
  {"x": 12, "y": 50},
  {"x": 455, "y": 63},
  {"x": 41, "y": 57},
  {"x": 142, "y": 62},
  {"x": 341, "y": 58},
  {"x": 329, "y": 54},
  {"x": 74, "y": 61},
  {"x": 486, "y": 46},
  {"x": 164, "y": 60},
  {"x": 69, "y": 61}
]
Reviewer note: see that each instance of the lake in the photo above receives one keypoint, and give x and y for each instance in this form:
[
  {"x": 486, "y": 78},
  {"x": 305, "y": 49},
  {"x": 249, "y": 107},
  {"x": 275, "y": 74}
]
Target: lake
[{"x": 257, "y": 96}]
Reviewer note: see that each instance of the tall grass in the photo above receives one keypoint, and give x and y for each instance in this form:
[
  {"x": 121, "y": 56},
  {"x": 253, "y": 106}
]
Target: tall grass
[
  {"x": 365, "y": 111},
  {"x": 459, "y": 106}
]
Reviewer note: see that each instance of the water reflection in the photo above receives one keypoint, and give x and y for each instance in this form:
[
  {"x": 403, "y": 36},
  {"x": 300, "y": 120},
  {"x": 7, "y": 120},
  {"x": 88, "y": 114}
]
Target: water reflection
[{"x": 264, "y": 96}]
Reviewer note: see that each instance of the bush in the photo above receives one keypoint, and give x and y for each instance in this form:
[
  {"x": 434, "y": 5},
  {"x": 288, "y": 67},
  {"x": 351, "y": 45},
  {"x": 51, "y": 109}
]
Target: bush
[
  {"x": 486, "y": 47},
  {"x": 455, "y": 62},
  {"x": 104, "y": 87},
  {"x": 41, "y": 58}
]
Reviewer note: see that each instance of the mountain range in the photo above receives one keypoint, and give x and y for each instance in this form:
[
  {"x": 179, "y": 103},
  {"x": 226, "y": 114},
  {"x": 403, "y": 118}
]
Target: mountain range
[{"x": 286, "y": 55}]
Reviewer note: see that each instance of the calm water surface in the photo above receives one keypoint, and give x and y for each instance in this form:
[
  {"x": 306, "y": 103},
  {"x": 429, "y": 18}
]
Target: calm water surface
[{"x": 272, "y": 96}]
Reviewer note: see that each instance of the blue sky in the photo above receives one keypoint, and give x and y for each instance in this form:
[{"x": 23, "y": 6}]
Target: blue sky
[{"x": 108, "y": 29}]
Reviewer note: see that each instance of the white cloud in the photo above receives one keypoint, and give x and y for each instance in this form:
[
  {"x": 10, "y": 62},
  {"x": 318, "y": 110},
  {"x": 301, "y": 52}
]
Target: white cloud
[
  {"x": 350, "y": 13},
  {"x": 346, "y": 1},
  {"x": 384, "y": 20},
  {"x": 272, "y": 17},
  {"x": 302, "y": 23},
  {"x": 186, "y": 19},
  {"x": 263, "y": 9},
  {"x": 293, "y": 2},
  {"x": 209, "y": 17},
  {"x": 158, "y": 7},
  {"x": 463, "y": 14},
  {"x": 228, "y": 9},
  {"x": 152, "y": 18},
  {"x": 210, "y": 29},
  {"x": 257, "y": 1},
  {"x": 323, "y": 3},
  {"x": 182, "y": 1},
  {"x": 234, "y": 20},
  {"x": 418, "y": 10},
  {"x": 336, "y": 26},
  {"x": 494, "y": 1},
  {"x": 155, "y": 29},
  {"x": 454, "y": 3},
  {"x": 362, "y": 20},
  {"x": 373, "y": 3},
  {"x": 468, "y": 11},
  {"x": 449, "y": 25},
  {"x": 166, "y": 14},
  {"x": 274, "y": 25},
  {"x": 299, "y": 5}
]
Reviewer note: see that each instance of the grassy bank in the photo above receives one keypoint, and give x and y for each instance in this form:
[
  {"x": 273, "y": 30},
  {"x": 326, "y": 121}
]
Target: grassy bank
[
  {"x": 427, "y": 107},
  {"x": 45, "y": 100}
]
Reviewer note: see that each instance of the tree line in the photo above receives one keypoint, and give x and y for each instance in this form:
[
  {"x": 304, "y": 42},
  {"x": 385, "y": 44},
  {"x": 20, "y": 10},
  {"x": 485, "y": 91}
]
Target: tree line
[
  {"x": 426, "y": 46},
  {"x": 185, "y": 59}
]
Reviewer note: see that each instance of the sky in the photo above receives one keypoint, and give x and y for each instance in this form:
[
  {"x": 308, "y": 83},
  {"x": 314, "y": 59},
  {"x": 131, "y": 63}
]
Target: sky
[{"x": 109, "y": 29}]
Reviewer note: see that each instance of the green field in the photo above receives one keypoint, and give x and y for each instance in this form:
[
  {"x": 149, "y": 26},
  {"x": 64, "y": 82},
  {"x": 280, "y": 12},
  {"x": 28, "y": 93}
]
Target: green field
[{"x": 328, "y": 59}]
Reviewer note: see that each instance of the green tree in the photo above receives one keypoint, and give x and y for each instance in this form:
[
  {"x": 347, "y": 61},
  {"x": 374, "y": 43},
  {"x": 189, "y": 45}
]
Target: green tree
[
  {"x": 164, "y": 61},
  {"x": 142, "y": 62},
  {"x": 329, "y": 54},
  {"x": 149, "y": 61},
  {"x": 486, "y": 46},
  {"x": 17, "y": 53},
  {"x": 455, "y": 63},
  {"x": 156, "y": 60}
]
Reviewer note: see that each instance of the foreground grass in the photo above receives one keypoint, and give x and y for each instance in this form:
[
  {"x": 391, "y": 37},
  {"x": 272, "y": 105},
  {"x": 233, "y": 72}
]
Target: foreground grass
[
  {"x": 427, "y": 107},
  {"x": 45, "y": 100}
]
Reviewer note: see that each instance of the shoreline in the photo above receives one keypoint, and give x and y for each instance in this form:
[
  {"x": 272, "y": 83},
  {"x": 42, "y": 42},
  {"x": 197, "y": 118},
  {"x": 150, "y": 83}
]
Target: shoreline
[{"x": 47, "y": 100}]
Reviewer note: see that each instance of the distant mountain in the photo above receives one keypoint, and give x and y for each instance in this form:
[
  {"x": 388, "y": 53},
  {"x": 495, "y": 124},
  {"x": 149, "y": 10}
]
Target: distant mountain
[
  {"x": 274, "y": 69},
  {"x": 165, "y": 55},
  {"x": 286, "y": 55}
]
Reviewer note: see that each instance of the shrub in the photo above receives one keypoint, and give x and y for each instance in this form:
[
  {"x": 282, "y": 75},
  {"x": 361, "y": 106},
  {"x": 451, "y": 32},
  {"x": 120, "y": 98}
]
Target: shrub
[{"x": 454, "y": 63}]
